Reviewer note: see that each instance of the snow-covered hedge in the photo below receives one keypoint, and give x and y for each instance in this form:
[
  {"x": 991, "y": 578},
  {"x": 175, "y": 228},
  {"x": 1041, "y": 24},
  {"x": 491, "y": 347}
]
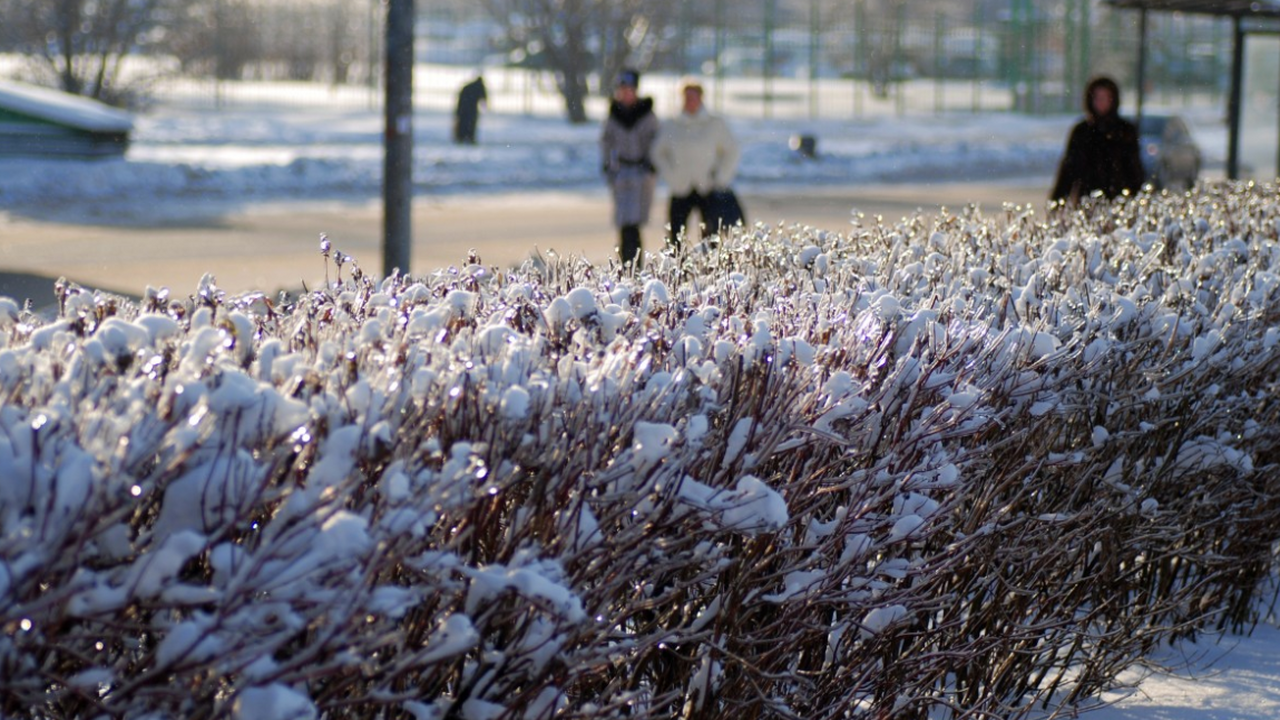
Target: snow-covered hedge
[{"x": 957, "y": 465}]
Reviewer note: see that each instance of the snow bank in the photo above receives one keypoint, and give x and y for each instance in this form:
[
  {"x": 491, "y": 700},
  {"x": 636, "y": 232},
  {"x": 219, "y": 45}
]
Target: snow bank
[{"x": 64, "y": 108}]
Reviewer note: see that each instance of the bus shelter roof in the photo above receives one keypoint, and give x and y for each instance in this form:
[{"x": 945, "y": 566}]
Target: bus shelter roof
[
  {"x": 1248, "y": 16},
  {"x": 1234, "y": 8}
]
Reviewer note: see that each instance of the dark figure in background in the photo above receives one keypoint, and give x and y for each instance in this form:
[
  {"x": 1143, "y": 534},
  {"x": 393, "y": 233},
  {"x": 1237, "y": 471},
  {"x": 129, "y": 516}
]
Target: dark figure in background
[
  {"x": 467, "y": 116},
  {"x": 1102, "y": 150},
  {"x": 625, "y": 144}
]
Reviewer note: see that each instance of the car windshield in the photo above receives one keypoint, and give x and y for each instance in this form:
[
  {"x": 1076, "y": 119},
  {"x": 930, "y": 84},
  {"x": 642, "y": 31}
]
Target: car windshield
[{"x": 1152, "y": 125}]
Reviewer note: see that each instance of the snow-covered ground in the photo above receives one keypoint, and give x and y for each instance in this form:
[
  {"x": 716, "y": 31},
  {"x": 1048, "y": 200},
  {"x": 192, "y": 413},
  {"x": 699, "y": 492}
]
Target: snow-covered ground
[
  {"x": 182, "y": 155},
  {"x": 191, "y": 154},
  {"x": 1218, "y": 678},
  {"x": 186, "y": 155}
]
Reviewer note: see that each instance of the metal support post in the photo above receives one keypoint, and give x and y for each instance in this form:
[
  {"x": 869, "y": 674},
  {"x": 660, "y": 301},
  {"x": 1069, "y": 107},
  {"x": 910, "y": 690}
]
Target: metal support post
[
  {"x": 1234, "y": 100},
  {"x": 1142, "y": 61},
  {"x": 397, "y": 179}
]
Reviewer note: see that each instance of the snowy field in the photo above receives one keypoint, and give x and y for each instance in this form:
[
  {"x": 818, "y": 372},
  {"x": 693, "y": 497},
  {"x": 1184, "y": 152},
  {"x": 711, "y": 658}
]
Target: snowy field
[
  {"x": 184, "y": 153},
  {"x": 183, "y": 156},
  {"x": 272, "y": 154}
]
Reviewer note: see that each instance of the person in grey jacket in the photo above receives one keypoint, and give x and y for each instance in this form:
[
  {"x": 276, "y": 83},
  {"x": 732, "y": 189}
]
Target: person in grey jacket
[
  {"x": 696, "y": 156},
  {"x": 625, "y": 144}
]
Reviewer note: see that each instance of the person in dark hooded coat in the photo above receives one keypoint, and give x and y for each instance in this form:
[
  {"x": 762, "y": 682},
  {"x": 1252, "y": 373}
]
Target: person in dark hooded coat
[
  {"x": 625, "y": 144},
  {"x": 466, "y": 117},
  {"x": 1102, "y": 151}
]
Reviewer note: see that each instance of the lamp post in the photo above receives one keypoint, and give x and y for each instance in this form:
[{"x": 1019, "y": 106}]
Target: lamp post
[{"x": 397, "y": 178}]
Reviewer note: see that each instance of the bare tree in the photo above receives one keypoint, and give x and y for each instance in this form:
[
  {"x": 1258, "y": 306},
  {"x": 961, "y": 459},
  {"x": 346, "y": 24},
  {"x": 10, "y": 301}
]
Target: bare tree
[
  {"x": 575, "y": 38},
  {"x": 82, "y": 45},
  {"x": 219, "y": 38},
  {"x": 342, "y": 31}
]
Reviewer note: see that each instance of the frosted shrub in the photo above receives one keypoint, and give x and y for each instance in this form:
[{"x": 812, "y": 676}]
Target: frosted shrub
[{"x": 965, "y": 465}]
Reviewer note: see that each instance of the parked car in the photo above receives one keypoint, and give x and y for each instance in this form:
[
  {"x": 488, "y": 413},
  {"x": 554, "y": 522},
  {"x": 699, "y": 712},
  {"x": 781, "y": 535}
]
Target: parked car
[{"x": 1170, "y": 155}]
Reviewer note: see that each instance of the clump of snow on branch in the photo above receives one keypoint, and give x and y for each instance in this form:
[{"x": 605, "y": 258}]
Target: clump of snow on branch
[{"x": 790, "y": 471}]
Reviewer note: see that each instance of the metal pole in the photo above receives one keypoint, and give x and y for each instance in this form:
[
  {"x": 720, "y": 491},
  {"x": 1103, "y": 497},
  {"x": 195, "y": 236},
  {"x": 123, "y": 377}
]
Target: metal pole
[
  {"x": 1016, "y": 35},
  {"x": 899, "y": 87},
  {"x": 861, "y": 64},
  {"x": 397, "y": 179},
  {"x": 686, "y": 22},
  {"x": 1142, "y": 60},
  {"x": 719, "y": 34},
  {"x": 527, "y": 78},
  {"x": 1035, "y": 63},
  {"x": 979, "y": 54},
  {"x": 371, "y": 56},
  {"x": 939, "y": 23},
  {"x": 1070, "y": 80},
  {"x": 815, "y": 36},
  {"x": 220, "y": 50},
  {"x": 1187, "y": 87},
  {"x": 1233, "y": 102},
  {"x": 1086, "y": 35},
  {"x": 770, "y": 8}
]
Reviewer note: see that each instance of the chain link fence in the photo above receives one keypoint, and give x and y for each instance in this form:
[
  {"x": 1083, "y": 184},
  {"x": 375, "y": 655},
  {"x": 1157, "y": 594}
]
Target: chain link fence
[{"x": 758, "y": 58}]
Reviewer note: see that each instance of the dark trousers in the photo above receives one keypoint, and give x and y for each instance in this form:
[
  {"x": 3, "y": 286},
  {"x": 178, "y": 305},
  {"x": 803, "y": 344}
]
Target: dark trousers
[
  {"x": 681, "y": 207},
  {"x": 464, "y": 128},
  {"x": 629, "y": 245}
]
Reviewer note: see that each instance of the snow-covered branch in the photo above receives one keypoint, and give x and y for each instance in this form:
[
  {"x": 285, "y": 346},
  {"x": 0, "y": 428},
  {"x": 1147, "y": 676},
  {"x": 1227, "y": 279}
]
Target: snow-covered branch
[{"x": 959, "y": 465}]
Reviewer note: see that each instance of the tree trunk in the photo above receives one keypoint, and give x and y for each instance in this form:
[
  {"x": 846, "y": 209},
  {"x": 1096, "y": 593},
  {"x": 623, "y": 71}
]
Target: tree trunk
[
  {"x": 575, "y": 63},
  {"x": 68, "y": 19},
  {"x": 573, "y": 86}
]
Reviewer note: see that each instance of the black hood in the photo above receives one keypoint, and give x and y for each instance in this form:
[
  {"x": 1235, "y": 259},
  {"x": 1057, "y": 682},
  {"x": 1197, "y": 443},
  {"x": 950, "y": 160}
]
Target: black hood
[
  {"x": 1101, "y": 82},
  {"x": 629, "y": 116}
]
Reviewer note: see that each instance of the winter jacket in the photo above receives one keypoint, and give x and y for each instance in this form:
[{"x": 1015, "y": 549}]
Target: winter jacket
[
  {"x": 1102, "y": 154},
  {"x": 696, "y": 153},
  {"x": 628, "y": 135},
  {"x": 625, "y": 144}
]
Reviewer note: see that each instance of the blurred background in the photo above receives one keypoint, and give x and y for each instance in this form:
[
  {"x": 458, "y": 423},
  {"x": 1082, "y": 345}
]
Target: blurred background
[{"x": 815, "y": 59}]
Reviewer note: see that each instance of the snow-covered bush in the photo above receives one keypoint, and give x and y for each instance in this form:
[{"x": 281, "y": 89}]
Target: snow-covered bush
[{"x": 953, "y": 466}]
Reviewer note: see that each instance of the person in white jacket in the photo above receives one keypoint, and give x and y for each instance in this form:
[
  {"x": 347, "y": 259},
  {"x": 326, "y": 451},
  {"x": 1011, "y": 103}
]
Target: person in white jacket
[{"x": 696, "y": 156}]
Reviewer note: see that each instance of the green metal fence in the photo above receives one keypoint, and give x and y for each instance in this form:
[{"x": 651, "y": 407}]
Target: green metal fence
[{"x": 759, "y": 58}]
